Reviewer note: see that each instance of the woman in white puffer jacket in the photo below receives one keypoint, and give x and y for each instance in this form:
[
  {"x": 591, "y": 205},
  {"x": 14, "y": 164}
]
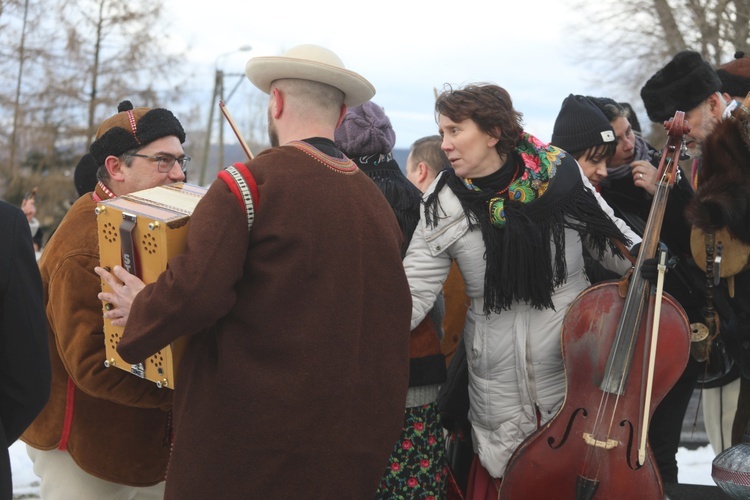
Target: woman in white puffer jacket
[{"x": 514, "y": 214}]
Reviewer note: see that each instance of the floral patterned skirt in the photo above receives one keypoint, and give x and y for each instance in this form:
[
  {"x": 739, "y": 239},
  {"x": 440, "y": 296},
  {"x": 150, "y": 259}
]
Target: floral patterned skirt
[{"x": 417, "y": 467}]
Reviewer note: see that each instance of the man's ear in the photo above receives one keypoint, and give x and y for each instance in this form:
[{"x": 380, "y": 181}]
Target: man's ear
[
  {"x": 342, "y": 114},
  {"x": 114, "y": 168},
  {"x": 277, "y": 103},
  {"x": 422, "y": 171},
  {"x": 713, "y": 102}
]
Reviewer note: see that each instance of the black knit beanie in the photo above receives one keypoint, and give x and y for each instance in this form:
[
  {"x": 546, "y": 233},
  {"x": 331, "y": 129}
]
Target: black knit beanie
[
  {"x": 735, "y": 75},
  {"x": 133, "y": 128},
  {"x": 685, "y": 82},
  {"x": 581, "y": 125}
]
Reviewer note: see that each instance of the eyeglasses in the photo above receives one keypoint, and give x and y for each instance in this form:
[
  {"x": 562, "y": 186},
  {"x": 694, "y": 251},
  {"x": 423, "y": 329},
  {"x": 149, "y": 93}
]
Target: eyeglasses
[{"x": 164, "y": 163}]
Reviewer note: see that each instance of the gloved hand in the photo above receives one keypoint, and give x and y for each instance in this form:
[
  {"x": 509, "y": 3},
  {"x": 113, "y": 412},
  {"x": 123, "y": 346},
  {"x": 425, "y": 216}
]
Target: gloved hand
[
  {"x": 650, "y": 271},
  {"x": 650, "y": 267}
]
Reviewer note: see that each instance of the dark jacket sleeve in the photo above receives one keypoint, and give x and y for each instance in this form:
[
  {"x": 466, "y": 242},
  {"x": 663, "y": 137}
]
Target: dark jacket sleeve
[
  {"x": 735, "y": 325},
  {"x": 675, "y": 227},
  {"x": 25, "y": 372},
  {"x": 198, "y": 286}
]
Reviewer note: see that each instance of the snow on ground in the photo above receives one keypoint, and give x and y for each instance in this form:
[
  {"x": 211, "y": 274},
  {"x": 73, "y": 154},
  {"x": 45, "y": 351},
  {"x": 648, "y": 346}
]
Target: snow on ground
[{"x": 694, "y": 465}]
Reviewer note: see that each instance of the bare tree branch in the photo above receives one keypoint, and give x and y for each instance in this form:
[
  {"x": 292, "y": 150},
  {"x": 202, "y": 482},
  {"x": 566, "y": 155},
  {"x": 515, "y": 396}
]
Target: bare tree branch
[
  {"x": 672, "y": 35},
  {"x": 630, "y": 41}
]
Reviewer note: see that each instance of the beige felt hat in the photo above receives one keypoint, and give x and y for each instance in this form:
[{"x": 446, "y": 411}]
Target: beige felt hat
[{"x": 310, "y": 62}]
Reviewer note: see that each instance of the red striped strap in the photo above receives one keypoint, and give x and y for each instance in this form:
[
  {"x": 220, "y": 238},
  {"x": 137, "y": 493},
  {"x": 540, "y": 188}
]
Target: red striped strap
[
  {"x": 241, "y": 182},
  {"x": 68, "y": 422}
]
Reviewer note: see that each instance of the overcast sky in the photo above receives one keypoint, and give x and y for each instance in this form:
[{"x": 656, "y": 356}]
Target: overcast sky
[{"x": 405, "y": 48}]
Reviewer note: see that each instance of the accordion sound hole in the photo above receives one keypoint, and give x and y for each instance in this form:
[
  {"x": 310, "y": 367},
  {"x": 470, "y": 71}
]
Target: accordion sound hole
[
  {"x": 110, "y": 232},
  {"x": 149, "y": 244},
  {"x": 114, "y": 339},
  {"x": 158, "y": 361}
]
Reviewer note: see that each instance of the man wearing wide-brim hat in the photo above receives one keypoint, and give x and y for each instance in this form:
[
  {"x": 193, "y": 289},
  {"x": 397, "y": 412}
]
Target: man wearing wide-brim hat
[{"x": 296, "y": 306}]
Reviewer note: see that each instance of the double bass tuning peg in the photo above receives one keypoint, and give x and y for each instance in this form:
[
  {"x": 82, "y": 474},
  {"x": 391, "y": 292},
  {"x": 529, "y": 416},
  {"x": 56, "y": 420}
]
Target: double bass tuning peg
[{"x": 684, "y": 155}]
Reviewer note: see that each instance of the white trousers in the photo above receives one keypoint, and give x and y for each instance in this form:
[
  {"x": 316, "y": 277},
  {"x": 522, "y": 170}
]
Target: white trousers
[
  {"x": 63, "y": 479},
  {"x": 719, "y": 407}
]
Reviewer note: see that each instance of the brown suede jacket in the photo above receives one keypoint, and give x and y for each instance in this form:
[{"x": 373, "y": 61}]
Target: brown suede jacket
[{"x": 114, "y": 425}]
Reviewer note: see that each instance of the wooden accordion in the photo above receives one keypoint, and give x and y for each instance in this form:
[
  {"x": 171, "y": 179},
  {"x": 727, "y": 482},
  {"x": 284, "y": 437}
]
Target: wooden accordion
[{"x": 141, "y": 231}]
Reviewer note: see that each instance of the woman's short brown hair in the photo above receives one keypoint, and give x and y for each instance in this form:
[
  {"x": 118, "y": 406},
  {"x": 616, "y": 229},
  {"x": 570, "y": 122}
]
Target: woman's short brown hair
[{"x": 489, "y": 106}]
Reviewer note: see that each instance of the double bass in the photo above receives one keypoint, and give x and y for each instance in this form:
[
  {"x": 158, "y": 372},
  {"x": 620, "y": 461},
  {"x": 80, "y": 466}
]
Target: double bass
[{"x": 622, "y": 352}]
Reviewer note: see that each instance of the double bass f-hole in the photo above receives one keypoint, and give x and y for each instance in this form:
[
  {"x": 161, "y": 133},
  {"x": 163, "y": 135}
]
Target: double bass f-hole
[{"x": 621, "y": 356}]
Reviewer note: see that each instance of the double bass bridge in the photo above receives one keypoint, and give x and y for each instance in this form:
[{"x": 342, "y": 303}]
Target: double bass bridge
[{"x": 607, "y": 445}]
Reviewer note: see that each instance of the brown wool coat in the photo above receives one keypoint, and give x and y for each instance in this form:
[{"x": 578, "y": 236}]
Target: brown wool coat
[
  {"x": 295, "y": 375},
  {"x": 119, "y": 422},
  {"x": 456, "y": 305}
]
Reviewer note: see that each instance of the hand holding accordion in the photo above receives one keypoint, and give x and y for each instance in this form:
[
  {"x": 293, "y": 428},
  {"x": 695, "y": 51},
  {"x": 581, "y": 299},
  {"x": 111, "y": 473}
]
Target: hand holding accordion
[{"x": 141, "y": 231}]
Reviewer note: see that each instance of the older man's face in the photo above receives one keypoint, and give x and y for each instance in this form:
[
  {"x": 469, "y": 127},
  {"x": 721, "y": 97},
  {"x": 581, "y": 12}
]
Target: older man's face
[{"x": 702, "y": 120}]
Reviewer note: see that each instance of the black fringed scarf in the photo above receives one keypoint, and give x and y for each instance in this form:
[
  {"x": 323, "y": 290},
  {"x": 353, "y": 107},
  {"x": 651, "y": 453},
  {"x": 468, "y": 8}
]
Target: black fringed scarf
[
  {"x": 544, "y": 197},
  {"x": 403, "y": 196}
]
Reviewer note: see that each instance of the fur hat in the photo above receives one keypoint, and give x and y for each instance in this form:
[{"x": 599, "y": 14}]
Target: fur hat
[
  {"x": 365, "y": 131},
  {"x": 723, "y": 195},
  {"x": 85, "y": 174},
  {"x": 735, "y": 75},
  {"x": 685, "y": 82},
  {"x": 133, "y": 128},
  {"x": 581, "y": 125},
  {"x": 310, "y": 62}
]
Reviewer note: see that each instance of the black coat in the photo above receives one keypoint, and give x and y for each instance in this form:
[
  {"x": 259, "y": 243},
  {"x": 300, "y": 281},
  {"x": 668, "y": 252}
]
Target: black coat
[
  {"x": 685, "y": 282},
  {"x": 632, "y": 204},
  {"x": 24, "y": 351}
]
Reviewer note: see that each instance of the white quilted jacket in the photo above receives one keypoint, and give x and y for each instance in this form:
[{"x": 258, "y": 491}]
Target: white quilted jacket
[{"x": 515, "y": 360}]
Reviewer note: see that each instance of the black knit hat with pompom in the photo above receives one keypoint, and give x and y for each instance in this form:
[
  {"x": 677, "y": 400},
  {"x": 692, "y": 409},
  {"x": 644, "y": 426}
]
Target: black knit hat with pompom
[{"x": 133, "y": 128}]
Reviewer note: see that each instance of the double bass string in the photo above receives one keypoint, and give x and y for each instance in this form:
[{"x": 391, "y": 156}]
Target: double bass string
[
  {"x": 594, "y": 455},
  {"x": 601, "y": 415}
]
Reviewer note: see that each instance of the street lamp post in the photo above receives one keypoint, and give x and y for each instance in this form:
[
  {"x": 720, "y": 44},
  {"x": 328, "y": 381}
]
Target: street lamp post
[
  {"x": 218, "y": 94},
  {"x": 17, "y": 102}
]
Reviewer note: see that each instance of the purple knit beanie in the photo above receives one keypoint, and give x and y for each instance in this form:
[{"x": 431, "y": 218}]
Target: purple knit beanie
[{"x": 365, "y": 130}]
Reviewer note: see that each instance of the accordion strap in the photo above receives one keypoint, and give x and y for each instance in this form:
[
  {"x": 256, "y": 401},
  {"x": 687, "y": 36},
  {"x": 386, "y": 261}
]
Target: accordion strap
[
  {"x": 127, "y": 248},
  {"x": 241, "y": 182}
]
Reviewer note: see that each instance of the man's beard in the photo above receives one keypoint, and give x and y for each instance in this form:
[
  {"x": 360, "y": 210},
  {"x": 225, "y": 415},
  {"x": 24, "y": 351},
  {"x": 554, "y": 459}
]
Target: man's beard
[
  {"x": 708, "y": 124},
  {"x": 695, "y": 151},
  {"x": 273, "y": 134}
]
